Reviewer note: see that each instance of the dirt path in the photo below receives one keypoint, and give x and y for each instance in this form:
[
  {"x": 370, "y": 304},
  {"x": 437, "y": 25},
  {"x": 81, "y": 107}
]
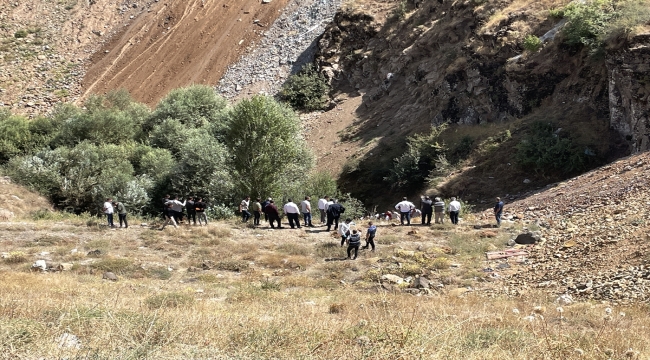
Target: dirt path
[{"x": 178, "y": 43}]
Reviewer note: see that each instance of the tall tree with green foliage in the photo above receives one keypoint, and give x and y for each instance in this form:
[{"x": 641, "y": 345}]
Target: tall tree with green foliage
[
  {"x": 266, "y": 146},
  {"x": 195, "y": 106}
]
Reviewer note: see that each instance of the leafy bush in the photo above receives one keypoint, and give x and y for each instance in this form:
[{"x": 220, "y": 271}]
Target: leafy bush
[
  {"x": 171, "y": 135},
  {"x": 545, "y": 149},
  {"x": 306, "y": 90},
  {"x": 220, "y": 212},
  {"x": 588, "y": 21},
  {"x": 532, "y": 43},
  {"x": 412, "y": 167},
  {"x": 15, "y": 137},
  {"x": 264, "y": 138},
  {"x": 20, "y": 34},
  {"x": 194, "y": 106}
]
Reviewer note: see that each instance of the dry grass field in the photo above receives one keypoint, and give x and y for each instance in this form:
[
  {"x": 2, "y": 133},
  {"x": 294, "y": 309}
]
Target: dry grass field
[{"x": 231, "y": 291}]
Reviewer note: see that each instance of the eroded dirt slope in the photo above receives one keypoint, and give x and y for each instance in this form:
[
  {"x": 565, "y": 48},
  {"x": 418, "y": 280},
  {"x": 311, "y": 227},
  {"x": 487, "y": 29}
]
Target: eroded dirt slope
[{"x": 177, "y": 44}]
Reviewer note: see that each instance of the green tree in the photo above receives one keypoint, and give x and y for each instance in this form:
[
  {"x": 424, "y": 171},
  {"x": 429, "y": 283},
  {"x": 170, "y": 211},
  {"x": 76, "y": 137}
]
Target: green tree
[
  {"x": 195, "y": 106},
  {"x": 306, "y": 90},
  {"x": 266, "y": 146},
  {"x": 15, "y": 137}
]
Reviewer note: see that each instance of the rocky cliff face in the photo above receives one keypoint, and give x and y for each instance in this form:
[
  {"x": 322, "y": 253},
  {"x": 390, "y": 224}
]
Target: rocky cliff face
[{"x": 629, "y": 91}]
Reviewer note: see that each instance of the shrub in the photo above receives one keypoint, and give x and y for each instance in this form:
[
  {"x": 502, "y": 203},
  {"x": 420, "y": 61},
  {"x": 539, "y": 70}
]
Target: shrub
[
  {"x": 306, "y": 90},
  {"x": 16, "y": 257},
  {"x": 545, "y": 149},
  {"x": 588, "y": 21},
  {"x": 115, "y": 265},
  {"x": 169, "y": 300},
  {"x": 194, "y": 106},
  {"x": 20, "y": 34},
  {"x": 15, "y": 137},
  {"x": 532, "y": 43},
  {"x": 171, "y": 135}
]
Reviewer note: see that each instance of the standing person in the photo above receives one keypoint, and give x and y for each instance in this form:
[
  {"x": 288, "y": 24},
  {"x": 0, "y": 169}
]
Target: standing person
[
  {"x": 405, "y": 208},
  {"x": 264, "y": 203},
  {"x": 121, "y": 213},
  {"x": 200, "y": 206},
  {"x": 306, "y": 211},
  {"x": 169, "y": 215},
  {"x": 108, "y": 210},
  {"x": 191, "y": 210},
  {"x": 334, "y": 211},
  {"x": 498, "y": 210},
  {"x": 344, "y": 230},
  {"x": 243, "y": 207},
  {"x": 256, "y": 208},
  {"x": 454, "y": 210},
  {"x": 177, "y": 209},
  {"x": 353, "y": 244},
  {"x": 292, "y": 211},
  {"x": 322, "y": 207},
  {"x": 439, "y": 207},
  {"x": 427, "y": 210},
  {"x": 370, "y": 236},
  {"x": 165, "y": 200},
  {"x": 272, "y": 211}
]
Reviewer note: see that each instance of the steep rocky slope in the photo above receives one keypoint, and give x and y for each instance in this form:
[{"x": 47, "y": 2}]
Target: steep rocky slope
[{"x": 594, "y": 234}]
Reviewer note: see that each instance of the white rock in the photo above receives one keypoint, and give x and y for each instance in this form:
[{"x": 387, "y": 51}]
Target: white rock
[
  {"x": 67, "y": 341},
  {"x": 40, "y": 264}
]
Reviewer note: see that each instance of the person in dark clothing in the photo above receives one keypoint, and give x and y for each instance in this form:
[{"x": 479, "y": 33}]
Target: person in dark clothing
[
  {"x": 334, "y": 212},
  {"x": 272, "y": 211},
  {"x": 370, "y": 236},
  {"x": 191, "y": 210},
  {"x": 266, "y": 202},
  {"x": 427, "y": 210},
  {"x": 165, "y": 200},
  {"x": 354, "y": 241},
  {"x": 200, "y": 206},
  {"x": 498, "y": 210},
  {"x": 121, "y": 213}
]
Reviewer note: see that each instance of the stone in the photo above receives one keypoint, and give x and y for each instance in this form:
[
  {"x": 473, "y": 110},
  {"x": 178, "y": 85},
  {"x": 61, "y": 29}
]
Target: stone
[
  {"x": 64, "y": 267},
  {"x": 526, "y": 238},
  {"x": 68, "y": 341},
  {"x": 95, "y": 253},
  {"x": 109, "y": 276},
  {"x": 421, "y": 283},
  {"x": 527, "y": 181},
  {"x": 392, "y": 279},
  {"x": 362, "y": 340},
  {"x": 40, "y": 265}
]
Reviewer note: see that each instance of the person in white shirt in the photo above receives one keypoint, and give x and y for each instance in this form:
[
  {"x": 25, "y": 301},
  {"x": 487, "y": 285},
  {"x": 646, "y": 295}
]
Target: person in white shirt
[
  {"x": 405, "y": 208},
  {"x": 243, "y": 208},
  {"x": 177, "y": 209},
  {"x": 344, "y": 230},
  {"x": 306, "y": 211},
  {"x": 322, "y": 207},
  {"x": 454, "y": 210},
  {"x": 108, "y": 210},
  {"x": 292, "y": 211}
]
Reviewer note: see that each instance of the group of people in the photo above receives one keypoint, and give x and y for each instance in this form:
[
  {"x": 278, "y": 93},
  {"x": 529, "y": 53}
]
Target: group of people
[
  {"x": 109, "y": 209},
  {"x": 330, "y": 212},
  {"x": 174, "y": 213},
  {"x": 407, "y": 210}
]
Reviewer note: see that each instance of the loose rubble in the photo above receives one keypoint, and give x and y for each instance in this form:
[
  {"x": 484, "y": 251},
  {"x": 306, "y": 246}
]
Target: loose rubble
[
  {"x": 287, "y": 45},
  {"x": 595, "y": 235}
]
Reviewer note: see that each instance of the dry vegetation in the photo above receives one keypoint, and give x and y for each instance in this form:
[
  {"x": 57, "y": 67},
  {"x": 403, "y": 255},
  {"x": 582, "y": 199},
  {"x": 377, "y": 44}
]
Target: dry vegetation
[{"x": 229, "y": 291}]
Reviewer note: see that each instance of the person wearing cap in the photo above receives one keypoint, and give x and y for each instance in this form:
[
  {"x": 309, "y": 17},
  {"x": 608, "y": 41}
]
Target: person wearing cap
[
  {"x": 498, "y": 210},
  {"x": 405, "y": 208},
  {"x": 427, "y": 210},
  {"x": 439, "y": 210},
  {"x": 454, "y": 210}
]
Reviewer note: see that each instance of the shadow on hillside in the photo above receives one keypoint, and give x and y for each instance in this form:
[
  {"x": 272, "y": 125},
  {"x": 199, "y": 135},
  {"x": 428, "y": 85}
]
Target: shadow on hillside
[{"x": 434, "y": 67}]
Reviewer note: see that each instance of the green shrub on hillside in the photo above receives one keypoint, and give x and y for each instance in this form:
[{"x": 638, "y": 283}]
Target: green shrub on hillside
[
  {"x": 588, "y": 21},
  {"x": 15, "y": 137},
  {"x": 532, "y": 43},
  {"x": 547, "y": 150},
  {"x": 306, "y": 90},
  {"x": 194, "y": 106}
]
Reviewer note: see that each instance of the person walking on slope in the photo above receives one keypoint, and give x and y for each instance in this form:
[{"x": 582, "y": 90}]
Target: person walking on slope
[
  {"x": 439, "y": 208},
  {"x": 370, "y": 236},
  {"x": 271, "y": 210},
  {"x": 322, "y": 207},
  {"x": 292, "y": 211},
  {"x": 256, "y": 208},
  {"x": 243, "y": 207},
  {"x": 121, "y": 213},
  {"x": 306, "y": 211},
  {"x": 454, "y": 210},
  {"x": 344, "y": 230},
  {"x": 200, "y": 206},
  {"x": 405, "y": 208},
  {"x": 334, "y": 211},
  {"x": 108, "y": 210},
  {"x": 498, "y": 210},
  {"x": 169, "y": 216},
  {"x": 354, "y": 241}
]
